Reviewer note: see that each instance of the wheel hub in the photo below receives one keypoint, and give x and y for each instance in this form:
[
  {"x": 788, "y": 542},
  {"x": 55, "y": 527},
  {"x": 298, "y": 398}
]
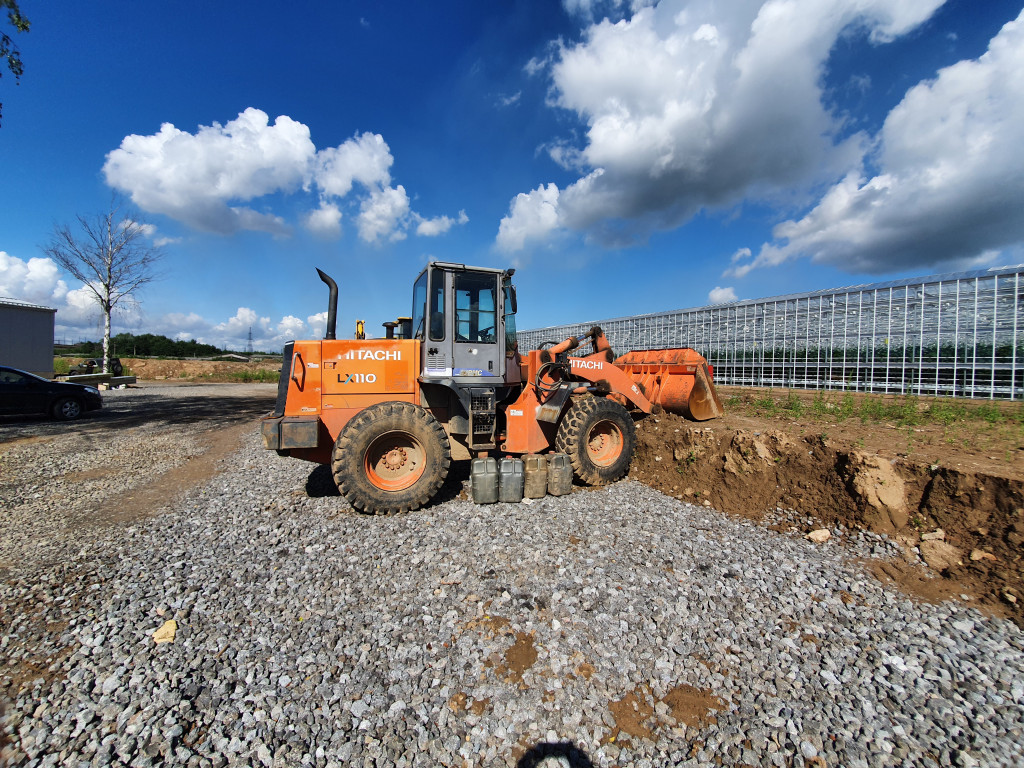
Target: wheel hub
[
  {"x": 604, "y": 443},
  {"x": 394, "y": 459}
]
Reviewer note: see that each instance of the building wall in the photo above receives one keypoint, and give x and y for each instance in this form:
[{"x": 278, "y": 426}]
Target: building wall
[
  {"x": 959, "y": 334},
  {"x": 26, "y": 338}
]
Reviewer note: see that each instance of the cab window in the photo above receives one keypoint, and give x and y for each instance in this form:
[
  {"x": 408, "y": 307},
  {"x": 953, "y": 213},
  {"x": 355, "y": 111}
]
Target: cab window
[
  {"x": 436, "y": 308},
  {"x": 476, "y": 314}
]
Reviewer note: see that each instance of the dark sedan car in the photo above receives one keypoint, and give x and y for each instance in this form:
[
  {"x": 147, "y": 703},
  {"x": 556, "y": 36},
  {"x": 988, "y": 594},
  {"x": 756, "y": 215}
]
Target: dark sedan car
[{"x": 22, "y": 393}]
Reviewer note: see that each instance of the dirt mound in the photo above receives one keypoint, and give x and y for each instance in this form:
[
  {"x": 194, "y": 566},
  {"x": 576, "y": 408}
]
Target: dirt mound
[{"x": 968, "y": 526}]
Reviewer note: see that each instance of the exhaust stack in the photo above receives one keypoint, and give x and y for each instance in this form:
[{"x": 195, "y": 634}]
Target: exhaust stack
[{"x": 332, "y": 305}]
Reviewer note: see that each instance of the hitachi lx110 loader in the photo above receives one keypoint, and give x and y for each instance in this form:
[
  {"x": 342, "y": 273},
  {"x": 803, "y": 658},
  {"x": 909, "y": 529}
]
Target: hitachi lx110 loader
[{"x": 389, "y": 415}]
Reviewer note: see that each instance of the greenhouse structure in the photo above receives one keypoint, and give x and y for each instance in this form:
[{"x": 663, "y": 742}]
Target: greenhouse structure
[{"x": 958, "y": 334}]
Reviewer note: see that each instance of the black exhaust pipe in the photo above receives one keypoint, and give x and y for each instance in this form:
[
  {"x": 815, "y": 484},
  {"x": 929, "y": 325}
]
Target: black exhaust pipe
[{"x": 332, "y": 305}]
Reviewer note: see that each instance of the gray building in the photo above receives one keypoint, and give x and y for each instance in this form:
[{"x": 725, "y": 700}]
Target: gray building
[{"x": 26, "y": 336}]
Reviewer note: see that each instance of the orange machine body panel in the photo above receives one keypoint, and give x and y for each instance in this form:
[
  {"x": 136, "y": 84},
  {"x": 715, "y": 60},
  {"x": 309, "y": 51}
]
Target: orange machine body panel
[{"x": 336, "y": 379}]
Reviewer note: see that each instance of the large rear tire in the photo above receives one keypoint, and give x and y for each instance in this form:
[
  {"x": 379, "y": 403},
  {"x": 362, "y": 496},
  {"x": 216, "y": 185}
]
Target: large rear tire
[
  {"x": 391, "y": 457},
  {"x": 599, "y": 436}
]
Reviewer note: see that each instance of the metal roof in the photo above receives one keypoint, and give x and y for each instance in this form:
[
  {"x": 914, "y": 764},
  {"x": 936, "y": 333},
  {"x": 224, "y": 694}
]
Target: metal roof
[
  {"x": 7, "y": 302},
  {"x": 1017, "y": 269}
]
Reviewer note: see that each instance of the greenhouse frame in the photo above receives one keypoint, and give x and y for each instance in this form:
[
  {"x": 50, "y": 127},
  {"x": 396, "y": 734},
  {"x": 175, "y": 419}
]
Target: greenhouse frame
[{"x": 959, "y": 334}]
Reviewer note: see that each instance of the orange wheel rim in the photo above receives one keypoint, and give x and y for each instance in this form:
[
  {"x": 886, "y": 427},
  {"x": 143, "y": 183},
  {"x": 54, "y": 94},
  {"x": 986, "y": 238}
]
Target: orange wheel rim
[
  {"x": 604, "y": 443},
  {"x": 394, "y": 461}
]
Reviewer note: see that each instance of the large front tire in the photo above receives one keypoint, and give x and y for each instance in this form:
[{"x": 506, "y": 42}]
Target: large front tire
[
  {"x": 599, "y": 436},
  {"x": 391, "y": 457}
]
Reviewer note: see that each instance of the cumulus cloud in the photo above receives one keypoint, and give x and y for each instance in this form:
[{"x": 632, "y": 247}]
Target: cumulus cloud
[
  {"x": 325, "y": 221},
  {"x": 383, "y": 214},
  {"x": 211, "y": 179},
  {"x": 233, "y": 333},
  {"x": 532, "y": 217},
  {"x": 36, "y": 281},
  {"x": 721, "y": 295},
  {"x": 439, "y": 225},
  {"x": 366, "y": 159},
  {"x": 689, "y": 105},
  {"x": 194, "y": 177},
  {"x": 948, "y": 189}
]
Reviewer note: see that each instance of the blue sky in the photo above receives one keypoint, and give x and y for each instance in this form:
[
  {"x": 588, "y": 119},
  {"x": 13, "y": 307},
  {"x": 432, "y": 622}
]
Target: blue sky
[{"x": 625, "y": 157}]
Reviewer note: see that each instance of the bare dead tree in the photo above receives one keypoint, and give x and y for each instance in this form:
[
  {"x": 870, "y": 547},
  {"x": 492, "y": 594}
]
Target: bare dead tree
[{"x": 111, "y": 255}]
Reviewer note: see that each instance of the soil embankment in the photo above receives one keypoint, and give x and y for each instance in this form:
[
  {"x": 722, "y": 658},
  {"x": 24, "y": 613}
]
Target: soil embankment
[{"x": 967, "y": 525}]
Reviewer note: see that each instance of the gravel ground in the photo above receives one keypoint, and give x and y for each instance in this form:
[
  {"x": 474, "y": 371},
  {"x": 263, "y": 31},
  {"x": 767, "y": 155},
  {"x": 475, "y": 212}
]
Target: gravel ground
[{"x": 614, "y": 627}]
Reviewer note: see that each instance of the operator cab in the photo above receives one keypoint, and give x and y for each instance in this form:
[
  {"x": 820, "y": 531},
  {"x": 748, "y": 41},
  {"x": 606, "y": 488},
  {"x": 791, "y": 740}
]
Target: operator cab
[{"x": 464, "y": 318}]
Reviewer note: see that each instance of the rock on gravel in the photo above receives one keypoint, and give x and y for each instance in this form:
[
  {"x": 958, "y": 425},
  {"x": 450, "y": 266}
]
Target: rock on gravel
[{"x": 616, "y": 626}]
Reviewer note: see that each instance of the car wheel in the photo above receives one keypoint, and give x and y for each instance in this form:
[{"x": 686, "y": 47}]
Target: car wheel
[{"x": 67, "y": 408}]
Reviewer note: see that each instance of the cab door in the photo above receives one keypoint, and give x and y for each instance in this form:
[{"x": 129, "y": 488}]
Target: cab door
[{"x": 479, "y": 349}]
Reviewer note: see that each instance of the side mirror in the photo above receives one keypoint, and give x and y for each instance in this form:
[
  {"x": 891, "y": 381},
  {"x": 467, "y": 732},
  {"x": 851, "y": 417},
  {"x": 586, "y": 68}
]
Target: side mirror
[{"x": 512, "y": 298}]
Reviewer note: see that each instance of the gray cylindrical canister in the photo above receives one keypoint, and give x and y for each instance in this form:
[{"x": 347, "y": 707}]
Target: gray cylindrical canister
[
  {"x": 483, "y": 478},
  {"x": 535, "y": 476},
  {"x": 559, "y": 474},
  {"x": 510, "y": 480}
]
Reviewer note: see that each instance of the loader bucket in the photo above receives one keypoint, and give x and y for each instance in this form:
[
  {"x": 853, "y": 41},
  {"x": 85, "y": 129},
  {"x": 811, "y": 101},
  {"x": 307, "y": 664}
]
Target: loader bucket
[{"x": 676, "y": 379}]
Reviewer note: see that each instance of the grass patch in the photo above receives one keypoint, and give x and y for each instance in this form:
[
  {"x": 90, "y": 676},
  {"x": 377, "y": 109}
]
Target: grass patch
[
  {"x": 901, "y": 410},
  {"x": 250, "y": 377}
]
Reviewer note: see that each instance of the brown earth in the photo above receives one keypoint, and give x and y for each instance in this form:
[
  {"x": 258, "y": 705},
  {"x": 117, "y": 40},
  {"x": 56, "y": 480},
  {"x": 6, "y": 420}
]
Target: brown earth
[{"x": 965, "y": 479}]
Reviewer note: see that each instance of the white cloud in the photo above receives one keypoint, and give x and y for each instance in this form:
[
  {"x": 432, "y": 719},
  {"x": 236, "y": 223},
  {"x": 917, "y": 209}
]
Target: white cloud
[
  {"x": 193, "y": 177},
  {"x": 187, "y": 325},
  {"x": 690, "y": 104},
  {"x": 365, "y": 159},
  {"x": 948, "y": 189},
  {"x": 317, "y": 324},
  {"x": 591, "y": 9},
  {"x": 721, "y": 295},
  {"x": 325, "y": 221},
  {"x": 209, "y": 179},
  {"x": 439, "y": 225},
  {"x": 532, "y": 217},
  {"x": 36, "y": 281},
  {"x": 383, "y": 214}
]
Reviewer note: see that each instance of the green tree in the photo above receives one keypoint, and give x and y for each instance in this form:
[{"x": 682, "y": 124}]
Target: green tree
[
  {"x": 8, "y": 49},
  {"x": 111, "y": 255}
]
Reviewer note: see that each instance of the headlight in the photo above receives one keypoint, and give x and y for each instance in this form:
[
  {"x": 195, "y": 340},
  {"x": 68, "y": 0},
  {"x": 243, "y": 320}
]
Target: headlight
[{"x": 93, "y": 390}]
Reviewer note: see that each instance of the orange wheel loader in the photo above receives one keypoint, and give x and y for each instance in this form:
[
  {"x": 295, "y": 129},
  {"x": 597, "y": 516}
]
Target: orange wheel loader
[{"x": 389, "y": 415}]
